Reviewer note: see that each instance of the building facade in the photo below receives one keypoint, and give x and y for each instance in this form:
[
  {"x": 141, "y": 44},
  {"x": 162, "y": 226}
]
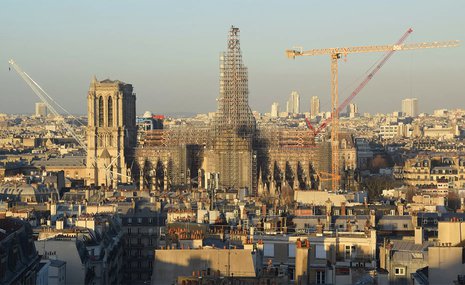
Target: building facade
[
  {"x": 18, "y": 256},
  {"x": 111, "y": 132},
  {"x": 293, "y": 104},
  {"x": 410, "y": 107},
  {"x": 275, "y": 110},
  {"x": 41, "y": 109},
  {"x": 314, "y": 106}
]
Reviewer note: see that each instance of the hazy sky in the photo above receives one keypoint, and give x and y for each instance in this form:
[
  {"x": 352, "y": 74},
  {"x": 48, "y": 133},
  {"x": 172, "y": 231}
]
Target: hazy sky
[{"x": 169, "y": 51}]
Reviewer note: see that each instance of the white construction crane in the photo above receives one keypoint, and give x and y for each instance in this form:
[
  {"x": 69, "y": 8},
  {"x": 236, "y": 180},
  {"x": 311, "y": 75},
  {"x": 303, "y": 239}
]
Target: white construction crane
[{"x": 40, "y": 92}]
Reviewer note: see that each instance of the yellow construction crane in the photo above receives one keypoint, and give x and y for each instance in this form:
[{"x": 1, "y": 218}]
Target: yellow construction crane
[{"x": 337, "y": 53}]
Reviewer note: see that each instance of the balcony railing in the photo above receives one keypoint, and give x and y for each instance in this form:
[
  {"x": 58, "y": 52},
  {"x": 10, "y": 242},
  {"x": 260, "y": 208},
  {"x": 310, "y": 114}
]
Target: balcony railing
[{"x": 355, "y": 257}]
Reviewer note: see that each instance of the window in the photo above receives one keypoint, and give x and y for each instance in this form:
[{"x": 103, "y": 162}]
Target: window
[
  {"x": 129, "y": 220},
  {"x": 100, "y": 111},
  {"x": 320, "y": 277},
  {"x": 405, "y": 226},
  {"x": 129, "y": 230},
  {"x": 291, "y": 248},
  {"x": 320, "y": 252},
  {"x": 347, "y": 251},
  {"x": 399, "y": 271},
  {"x": 268, "y": 250},
  {"x": 139, "y": 220},
  {"x": 110, "y": 112}
]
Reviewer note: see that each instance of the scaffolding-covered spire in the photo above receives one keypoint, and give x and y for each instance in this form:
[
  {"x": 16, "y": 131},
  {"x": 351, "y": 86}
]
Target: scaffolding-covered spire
[
  {"x": 233, "y": 106},
  {"x": 234, "y": 125}
]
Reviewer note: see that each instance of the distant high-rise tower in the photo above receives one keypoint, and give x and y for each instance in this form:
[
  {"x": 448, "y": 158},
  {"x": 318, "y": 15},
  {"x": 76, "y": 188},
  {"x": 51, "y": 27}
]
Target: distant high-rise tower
[
  {"x": 293, "y": 104},
  {"x": 410, "y": 107},
  {"x": 111, "y": 132},
  {"x": 274, "y": 110},
  {"x": 231, "y": 154},
  {"x": 314, "y": 106},
  {"x": 352, "y": 110},
  {"x": 41, "y": 109}
]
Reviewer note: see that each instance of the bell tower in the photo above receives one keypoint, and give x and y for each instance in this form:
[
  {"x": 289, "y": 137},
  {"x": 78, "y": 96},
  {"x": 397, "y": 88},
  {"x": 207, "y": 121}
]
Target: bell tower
[{"x": 111, "y": 132}]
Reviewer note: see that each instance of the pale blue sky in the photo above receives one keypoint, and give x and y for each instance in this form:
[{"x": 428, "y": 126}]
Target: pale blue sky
[{"x": 169, "y": 51}]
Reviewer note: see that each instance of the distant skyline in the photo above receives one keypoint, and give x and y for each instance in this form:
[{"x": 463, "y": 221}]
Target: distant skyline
[{"x": 170, "y": 51}]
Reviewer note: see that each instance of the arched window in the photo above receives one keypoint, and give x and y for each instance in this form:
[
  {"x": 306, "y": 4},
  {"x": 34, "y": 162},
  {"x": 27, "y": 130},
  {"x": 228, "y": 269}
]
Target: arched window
[
  {"x": 110, "y": 112},
  {"x": 100, "y": 111},
  {"x": 343, "y": 144}
]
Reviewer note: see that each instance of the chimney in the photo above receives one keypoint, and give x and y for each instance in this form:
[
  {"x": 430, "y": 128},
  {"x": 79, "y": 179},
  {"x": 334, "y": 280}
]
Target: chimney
[
  {"x": 373, "y": 218},
  {"x": 400, "y": 209},
  {"x": 328, "y": 220},
  {"x": 462, "y": 204},
  {"x": 419, "y": 235},
  {"x": 349, "y": 226},
  {"x": 343, "y": 208},
  {"x": 414, "y": 219}
]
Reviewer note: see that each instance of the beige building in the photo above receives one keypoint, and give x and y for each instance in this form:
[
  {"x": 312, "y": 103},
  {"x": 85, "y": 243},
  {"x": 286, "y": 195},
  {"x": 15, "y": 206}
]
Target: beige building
[
  {"x": 438, "y": 170},
  {"x": 111, "y": 132},
  {"x": 335, "y": 258},
  {"x": 441, "y": 132},
  {"x": 445, "y": 259},
  {"x": 171, "y": 263},
  {"x": 402, "y": 258}
]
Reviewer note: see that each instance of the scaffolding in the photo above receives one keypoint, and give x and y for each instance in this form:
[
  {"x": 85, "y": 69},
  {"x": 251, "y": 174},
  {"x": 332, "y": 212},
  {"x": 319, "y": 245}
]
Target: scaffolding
[
  {"x": 233, "y": 125},
  {"x": 263, "y": 159}
]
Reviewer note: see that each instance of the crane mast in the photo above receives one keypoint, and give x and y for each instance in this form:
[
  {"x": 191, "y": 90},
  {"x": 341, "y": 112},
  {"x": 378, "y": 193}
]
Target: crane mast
[{"x": 335, "y": 54}]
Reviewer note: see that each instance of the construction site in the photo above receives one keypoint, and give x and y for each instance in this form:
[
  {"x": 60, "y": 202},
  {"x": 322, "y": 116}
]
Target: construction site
[
  {"x": 231, "y": 152},
  {"x": 234, "y": 153}
]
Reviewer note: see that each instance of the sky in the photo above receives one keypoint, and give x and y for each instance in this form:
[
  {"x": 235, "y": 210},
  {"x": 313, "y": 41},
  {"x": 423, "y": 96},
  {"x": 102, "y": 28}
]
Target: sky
[{"x": 169, "y": 51}]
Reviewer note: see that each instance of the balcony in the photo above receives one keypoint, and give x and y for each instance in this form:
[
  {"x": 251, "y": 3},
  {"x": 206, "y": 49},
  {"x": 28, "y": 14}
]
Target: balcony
[{"x": 355, "y": 258}]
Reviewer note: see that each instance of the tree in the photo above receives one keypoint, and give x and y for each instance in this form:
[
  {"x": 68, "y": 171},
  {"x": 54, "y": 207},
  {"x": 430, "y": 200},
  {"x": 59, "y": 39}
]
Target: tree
[{"x": 376, "y": 184}]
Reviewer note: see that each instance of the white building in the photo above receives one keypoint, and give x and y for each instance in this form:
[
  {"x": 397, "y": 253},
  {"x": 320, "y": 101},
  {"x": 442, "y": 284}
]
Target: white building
[
  {"x": 274, "y": 110},
  {"x": 314, "y": 106},
  {"x": 293, "y": 104},
  {"x": 41, "y": 109},
  {"x": 352, "y": 110},
  {"x": 410, "y": 107}
]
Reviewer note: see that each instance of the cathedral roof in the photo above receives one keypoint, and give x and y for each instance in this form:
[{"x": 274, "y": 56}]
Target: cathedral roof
[{"x": 110, "y": 81}]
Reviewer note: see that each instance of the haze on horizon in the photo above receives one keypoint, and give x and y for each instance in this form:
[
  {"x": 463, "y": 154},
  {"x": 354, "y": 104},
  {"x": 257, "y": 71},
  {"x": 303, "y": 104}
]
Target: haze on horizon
[{"x": 169, "y": 51}]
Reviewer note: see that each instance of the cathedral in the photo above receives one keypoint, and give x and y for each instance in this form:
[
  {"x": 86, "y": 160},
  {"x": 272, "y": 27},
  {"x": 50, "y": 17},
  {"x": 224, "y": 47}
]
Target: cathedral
[{"x": 230, "y": 153}]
